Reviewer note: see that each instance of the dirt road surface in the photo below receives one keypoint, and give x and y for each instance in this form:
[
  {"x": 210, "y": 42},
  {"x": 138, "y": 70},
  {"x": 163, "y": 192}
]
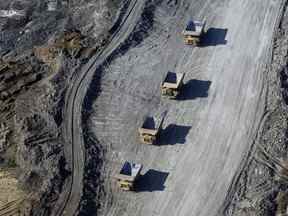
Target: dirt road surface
[
  {"x": 210, "y": 130},
  {"x": 74, "y": 150}
]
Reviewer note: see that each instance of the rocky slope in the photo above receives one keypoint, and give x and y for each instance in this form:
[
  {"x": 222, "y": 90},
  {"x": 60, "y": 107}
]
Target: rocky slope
[{"x": 42, "y": 44}]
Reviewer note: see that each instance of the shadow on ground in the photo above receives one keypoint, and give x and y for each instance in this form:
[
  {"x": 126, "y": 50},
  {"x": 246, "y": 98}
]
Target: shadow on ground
[
  {"x": 194, "y": 89},
  {"x": 152, "y": 180},
  {"x": 214, "y": 37},
  {"x": 174, "y": 134}
]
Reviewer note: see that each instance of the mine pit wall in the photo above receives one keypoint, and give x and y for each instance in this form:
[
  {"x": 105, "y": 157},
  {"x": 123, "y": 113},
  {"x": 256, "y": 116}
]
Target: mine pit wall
[{"x": 262, "y": 187}]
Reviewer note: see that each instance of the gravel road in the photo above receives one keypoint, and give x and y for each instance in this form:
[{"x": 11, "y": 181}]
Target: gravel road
[
  {"x": 73, "y": 134},
  {"x": 210, "y": 130}
]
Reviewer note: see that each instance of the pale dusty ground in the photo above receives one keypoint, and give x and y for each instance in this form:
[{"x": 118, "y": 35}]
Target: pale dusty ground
[{"x": 211, "y": 130}]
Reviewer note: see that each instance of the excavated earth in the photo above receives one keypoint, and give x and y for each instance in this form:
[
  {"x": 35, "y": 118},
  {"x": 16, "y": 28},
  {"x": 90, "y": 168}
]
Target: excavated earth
[{"x": 42, "y": 44}]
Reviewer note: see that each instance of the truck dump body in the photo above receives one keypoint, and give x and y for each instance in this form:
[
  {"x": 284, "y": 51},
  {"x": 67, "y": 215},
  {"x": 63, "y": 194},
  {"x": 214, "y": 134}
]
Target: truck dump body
[
  {"x": 194, "y": 28},
  {"x": 172, "y": 84},
  {"x": 128, "y": 175},
  {"x": 173, "y": 80},
  {"x": 150, "y": 128},
  {"x": 150, "y": 123},
  {"x": 193, "y": 32}
]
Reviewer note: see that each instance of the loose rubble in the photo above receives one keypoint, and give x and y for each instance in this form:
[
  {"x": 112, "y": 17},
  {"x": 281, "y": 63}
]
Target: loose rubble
[{"x": 42, "y": 44}]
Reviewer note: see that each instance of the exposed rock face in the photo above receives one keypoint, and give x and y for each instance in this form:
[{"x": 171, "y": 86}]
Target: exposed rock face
[
  {"x": 42, "y": 43},
  {"x": 40, "y": 158},
  {"x": 37, "y": 145}
]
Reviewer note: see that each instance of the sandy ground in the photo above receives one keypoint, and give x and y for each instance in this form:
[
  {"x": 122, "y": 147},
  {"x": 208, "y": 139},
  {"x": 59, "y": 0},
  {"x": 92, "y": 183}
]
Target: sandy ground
[{"x": 208, "y": 133}]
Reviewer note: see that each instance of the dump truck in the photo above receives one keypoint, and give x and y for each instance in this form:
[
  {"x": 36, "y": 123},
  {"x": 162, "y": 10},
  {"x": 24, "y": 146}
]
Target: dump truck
[
  {"x": 150, "y": 129},
  {"x": 128, "y": 175},
  {"x": 193, "y": 32},
  {"x": 172, "y": 84}
]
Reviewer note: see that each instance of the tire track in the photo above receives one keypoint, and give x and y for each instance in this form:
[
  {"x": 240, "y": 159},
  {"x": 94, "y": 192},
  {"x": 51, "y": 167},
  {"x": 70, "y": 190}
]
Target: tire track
[{"x": 72, "y": 119}]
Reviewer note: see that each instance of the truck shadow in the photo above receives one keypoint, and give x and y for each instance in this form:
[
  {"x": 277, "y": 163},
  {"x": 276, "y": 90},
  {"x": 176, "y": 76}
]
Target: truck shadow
[
  {"x": 152, "y": 180},
  {"x": 174, "y": 134},
  {"x": 214, "y": 37},
  {"x": 194, "y": 89}
]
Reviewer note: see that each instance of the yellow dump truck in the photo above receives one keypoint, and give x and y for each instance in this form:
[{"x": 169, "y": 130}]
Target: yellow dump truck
[
  {"x": 193, "y": 32},
  {"x": 172, "y": 84},
  {"x": 150, "y": 129},
  {"x": 128, "y": 175}
]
